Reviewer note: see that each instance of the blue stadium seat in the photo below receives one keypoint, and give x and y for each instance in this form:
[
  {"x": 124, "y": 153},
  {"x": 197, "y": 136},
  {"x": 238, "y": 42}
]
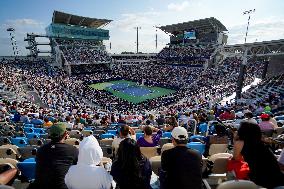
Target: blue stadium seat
[
  {"x": 29, "y": 160},
  {"x": 27, "y": 169},
  {"x": 88, "y": 128},
  {"x": 167, "y": 135},
  {"x": 114, "y": 132},
  {"x": 203, "y": 128},
  {"x": 198, "y": 146},
  {"x": 19, "y": 141},
  {"x": 29, "y": 125},
  {"x": 196, "y": 137},
  {"x": 32, "y": 135},
  {"x": 29, "y": 129},
  {"x": 39, "y": 130},
  {"x": 279, "y": 118},
  {"x": 138, "y": 135},
  {"x": 43, "y": 136},
  {"x": 107, "y": 135}
]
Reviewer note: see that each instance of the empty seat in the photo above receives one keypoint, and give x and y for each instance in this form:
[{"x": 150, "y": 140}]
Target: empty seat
[
  {"x": 164, "y": 141},
  {"x": 35, "y": 142},
  {"x": 9, "y": 161},
  {"x": 39, "y": 130},
  {"x": 72, "y": 141},
  {"x": 114, "y": 132},
  {"x": 196, "y": 138},
  {"x": 155, "y": 164},
  {"x": 106, "y": 142},
  {"x": 149, "y": 151},
  {"x": 75, "y": 134},
  {"x": 29, "y": 125},
  {"x": 28, "y": 130},
  {"x": 197, "y": 146},
  {"x": 27, "y": 169},
  {"x": 87, "y": 133},
  {"x": 19, "y": 141},
  {"x": 4, "y": 140},
  {"x": 32, "y": 135},
  {"x": 217, "y": 148},
  {"x": 8, "y": 153},
  {"x": 219, "y": 155},
  {"x": 167, "y": 135},
  {"x": 107, "y": 135},
  {"x": 27, "y": 152},
  {"x": 220, "y": 165},
  {"x": 167, "y": 147},
  {"x": 138, "y": 135},
  {"x": 237, "y": 184}
]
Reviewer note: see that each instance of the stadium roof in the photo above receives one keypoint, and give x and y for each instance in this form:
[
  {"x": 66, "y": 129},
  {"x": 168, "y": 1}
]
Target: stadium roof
[
  {"x": 200, "y": 25},
  {"x": 65, "y": 18}
]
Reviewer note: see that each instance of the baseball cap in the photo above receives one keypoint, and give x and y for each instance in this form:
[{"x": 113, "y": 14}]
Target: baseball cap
[
  {"x": 264, "y": 116},
  {"x": 57, "y": 130},
  {"x": 179, "y": 133}
]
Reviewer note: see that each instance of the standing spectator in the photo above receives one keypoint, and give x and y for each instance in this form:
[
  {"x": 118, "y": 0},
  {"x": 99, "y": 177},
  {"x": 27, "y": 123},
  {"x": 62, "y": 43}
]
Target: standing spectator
[
  {"x": 181, "y": 167},
  {"x": 264, "y": 168},
  {"x": 92, "y": 175},
  {"x": 131, "y": 169},
  {"x": 54, "y": 159}
]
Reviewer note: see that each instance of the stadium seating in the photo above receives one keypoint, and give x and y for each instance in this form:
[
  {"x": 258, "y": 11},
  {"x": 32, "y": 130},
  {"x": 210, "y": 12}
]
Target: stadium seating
[
  {"x": 27, "y": 168},
  {"x": 198, "y": 146}
]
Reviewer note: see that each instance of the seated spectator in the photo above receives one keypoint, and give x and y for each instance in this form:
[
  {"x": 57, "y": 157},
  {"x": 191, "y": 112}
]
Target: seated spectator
[
  {"x": 88, "y": 173},
  {"x": 36, "y": 120},
  {"x": 227, "y": 115},
  {"x": 131, "y": 169},
  {"x": 54, "y": 159},
  {"x": 264, "y": 168},
  {"x": 69, "y": 123},
  {"x": 47, "y": 123},
  {"x": 172, "y": 123},
  {"x": 249, "y": 117},
  {"x": 125, "y": 132},
  {"x": 220, "y": 137},
  {"x": 265, "y": 124},
  {"x": 181, "y": 166},
  {"x": 149, "y": 140},
  {"x": 161, "y": 120}
]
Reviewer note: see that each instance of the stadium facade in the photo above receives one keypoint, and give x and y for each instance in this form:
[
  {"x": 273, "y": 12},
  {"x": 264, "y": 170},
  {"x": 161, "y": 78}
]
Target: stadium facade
[{"x": 69, "y": 33}]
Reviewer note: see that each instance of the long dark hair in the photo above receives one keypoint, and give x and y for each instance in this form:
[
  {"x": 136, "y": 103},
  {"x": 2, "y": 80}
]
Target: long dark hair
[
  {"x": 250, "y": 133},
  {"x": 129, "y": 159}
]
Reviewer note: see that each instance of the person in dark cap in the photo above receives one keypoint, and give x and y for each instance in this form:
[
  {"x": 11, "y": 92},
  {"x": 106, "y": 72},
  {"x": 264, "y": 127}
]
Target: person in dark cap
[
  {"x": 181, "y": 166},
  {"x": 54, "y": 159}
]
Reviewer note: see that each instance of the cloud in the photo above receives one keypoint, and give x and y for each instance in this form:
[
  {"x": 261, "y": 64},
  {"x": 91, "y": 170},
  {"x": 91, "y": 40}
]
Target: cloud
[
  {"x": 123, "y": 34},
  {"x": 178, "y": 6},
  {"x": 23, "y": 22},
  {"x": 22, "y": 26},
  {"x": 264, "y": 30}
]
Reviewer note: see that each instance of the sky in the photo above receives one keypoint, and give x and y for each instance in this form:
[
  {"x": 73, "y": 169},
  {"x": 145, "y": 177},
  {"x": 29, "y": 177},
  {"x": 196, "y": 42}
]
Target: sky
[{"x": 267, "y": 23}]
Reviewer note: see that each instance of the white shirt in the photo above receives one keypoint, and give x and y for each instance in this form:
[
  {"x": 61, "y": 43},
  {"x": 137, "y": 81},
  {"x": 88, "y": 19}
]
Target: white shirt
[{"x": 86, "y": 174}]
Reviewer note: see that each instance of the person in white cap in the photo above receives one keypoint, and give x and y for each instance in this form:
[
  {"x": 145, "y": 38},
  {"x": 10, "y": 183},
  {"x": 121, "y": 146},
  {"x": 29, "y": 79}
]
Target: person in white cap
[{"x": 181, "y": 166}]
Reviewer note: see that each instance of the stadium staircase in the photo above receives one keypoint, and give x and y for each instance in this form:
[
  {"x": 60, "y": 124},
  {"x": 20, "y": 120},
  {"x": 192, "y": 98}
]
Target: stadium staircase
[{"x": 267, "y": 87}]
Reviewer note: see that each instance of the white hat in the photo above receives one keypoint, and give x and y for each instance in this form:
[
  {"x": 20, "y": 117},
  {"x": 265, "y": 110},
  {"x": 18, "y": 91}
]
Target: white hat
[{"x": 179, "y": 133}]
